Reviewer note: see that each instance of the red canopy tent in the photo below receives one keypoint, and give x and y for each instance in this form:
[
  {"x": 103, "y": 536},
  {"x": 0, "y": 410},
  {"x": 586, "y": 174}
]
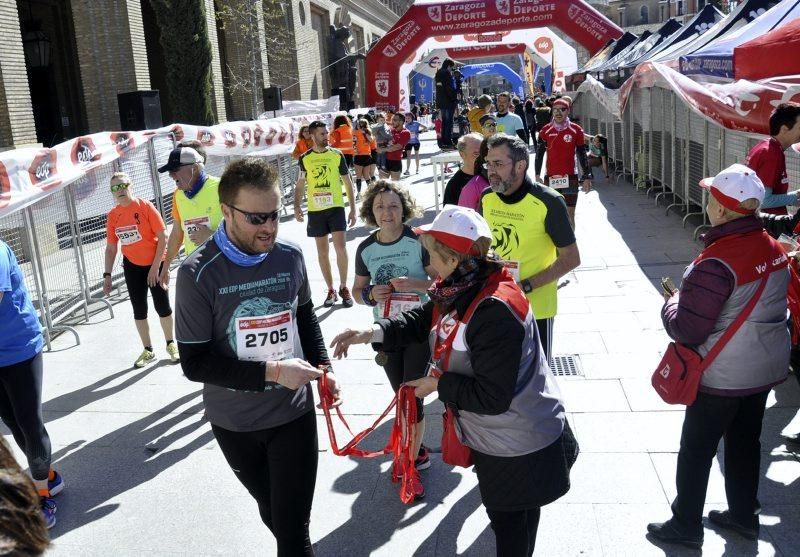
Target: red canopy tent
[{"x": 776, "y": 53}]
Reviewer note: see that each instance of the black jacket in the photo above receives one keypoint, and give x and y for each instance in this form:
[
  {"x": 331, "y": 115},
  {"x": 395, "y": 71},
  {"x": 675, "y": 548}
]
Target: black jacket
[
  {"x": 446, "y": 94},
  {"x": 776, "y": 225}
]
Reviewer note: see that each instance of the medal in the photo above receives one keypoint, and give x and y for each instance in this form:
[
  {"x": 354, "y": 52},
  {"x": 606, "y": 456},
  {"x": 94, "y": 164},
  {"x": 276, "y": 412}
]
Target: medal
[{"x": 381, "y": 358}]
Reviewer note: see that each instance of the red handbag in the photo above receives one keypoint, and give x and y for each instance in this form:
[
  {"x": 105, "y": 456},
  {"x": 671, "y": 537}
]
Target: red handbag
[
  {"x": 454, "y": 452},
  {"x": 677, "y": 377}
]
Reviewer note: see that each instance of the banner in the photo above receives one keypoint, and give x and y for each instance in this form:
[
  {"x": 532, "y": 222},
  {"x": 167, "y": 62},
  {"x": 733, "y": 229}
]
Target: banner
[
  {"x": 530, "y": 78},
  {"x": 742, "y": 105},
  {"x": 29, "y": 175}
]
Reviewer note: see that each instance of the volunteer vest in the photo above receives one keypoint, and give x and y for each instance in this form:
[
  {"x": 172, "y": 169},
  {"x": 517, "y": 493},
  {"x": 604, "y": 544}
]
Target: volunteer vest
[
  {"x": 342, "y": 139},
  {"x": 202, "y": 208},
  {"x": 758, "y": 354},
  {"x": 323, "y": 179},
  {"x": 519, "y": 234},
  {"x": 535, "y": 418},
  {"x": 363, "y": 145}
]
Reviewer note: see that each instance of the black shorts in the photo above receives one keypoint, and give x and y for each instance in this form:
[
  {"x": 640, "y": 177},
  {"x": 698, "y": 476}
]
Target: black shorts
[
  {"x": 406, "y": 365},
  {"x": 394, "y": 166},
  {"x": 322, "y": 223},
  {"x": 349, "y": 160},
  {"x": 414, "y": 146},
  {"x": 571, "y": 193},
  {"x": 362, "y": 160}
]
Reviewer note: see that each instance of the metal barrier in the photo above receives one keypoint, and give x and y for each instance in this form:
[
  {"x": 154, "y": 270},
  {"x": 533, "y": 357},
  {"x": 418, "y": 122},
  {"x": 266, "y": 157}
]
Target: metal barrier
[{"x": 60, "y": 241}]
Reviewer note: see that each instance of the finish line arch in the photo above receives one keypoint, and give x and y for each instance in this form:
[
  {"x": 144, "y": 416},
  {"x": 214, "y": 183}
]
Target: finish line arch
[{"x": 479, "y": 20}]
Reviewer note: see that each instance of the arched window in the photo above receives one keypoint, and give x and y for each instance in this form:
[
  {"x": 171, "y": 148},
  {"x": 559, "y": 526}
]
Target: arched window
[{"x": 645, "y": 13}]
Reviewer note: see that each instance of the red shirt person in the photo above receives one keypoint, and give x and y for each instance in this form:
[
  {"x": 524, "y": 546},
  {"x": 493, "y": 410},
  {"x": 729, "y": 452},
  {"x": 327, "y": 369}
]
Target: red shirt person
[
  {"x": 769, "y": 162},
  {"x": 394, "y": 150}
]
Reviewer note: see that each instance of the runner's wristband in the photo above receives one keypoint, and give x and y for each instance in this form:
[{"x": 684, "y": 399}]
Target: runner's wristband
[{"x": 366, "y": 295}]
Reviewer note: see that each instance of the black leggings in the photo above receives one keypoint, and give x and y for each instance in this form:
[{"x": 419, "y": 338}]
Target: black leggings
[
  {"x": 406, "y": 365},
  {"x": 136, "y": 281},
  {"x": 515, "y": 531},
  {"x": 21, "y": 411},
  {"x": 278, "y": 466}
]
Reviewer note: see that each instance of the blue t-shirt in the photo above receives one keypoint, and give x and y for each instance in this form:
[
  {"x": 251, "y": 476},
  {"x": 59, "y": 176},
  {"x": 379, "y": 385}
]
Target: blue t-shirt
[
  {"x": 405, "y": 257},
  {"x": 413, "y": 128},
  {"x": 20, "y": 331},
  {"x": 509, "y": 123}
]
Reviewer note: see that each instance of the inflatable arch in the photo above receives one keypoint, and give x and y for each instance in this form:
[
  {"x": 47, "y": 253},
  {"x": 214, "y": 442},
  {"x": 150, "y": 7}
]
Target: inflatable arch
[{"x": 475, "y": 22}]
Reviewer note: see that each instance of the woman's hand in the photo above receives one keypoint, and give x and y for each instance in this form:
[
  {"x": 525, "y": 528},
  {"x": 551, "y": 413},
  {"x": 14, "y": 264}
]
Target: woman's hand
[
  {"x": 381, "y": 292},
  {"x": 153, "y": 276},
  {"x": 343, "y": 340},
  {"x": 424, "y": 386},
  {"x": 405, "y": 284}
]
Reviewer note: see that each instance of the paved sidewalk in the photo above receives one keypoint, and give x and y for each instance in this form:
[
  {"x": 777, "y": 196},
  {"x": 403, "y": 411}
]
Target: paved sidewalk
[{"x": 145, "y": 476}]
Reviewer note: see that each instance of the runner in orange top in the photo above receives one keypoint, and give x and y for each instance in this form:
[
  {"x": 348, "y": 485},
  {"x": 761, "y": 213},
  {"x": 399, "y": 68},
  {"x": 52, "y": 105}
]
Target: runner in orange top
[
  {"x": 136, "y": 224},
  {"x": 341, "y": 138},
  {"x": 363, "y": 158},
  {"x": 304, "y": 143}
]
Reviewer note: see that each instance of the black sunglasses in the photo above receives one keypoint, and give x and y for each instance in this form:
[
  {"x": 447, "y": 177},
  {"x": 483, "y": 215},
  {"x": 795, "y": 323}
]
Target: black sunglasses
[{"x": 257, "y": 219}]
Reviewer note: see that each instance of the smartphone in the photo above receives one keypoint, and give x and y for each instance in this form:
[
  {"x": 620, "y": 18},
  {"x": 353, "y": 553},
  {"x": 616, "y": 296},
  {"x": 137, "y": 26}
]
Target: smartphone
[{"x": 668, "y": 285}]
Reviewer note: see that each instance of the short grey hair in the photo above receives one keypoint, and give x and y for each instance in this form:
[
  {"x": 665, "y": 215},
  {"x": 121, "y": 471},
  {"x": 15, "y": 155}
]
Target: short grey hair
[
  {"x": 517, "y": 148},
  {"x": 462, "y": 141}
]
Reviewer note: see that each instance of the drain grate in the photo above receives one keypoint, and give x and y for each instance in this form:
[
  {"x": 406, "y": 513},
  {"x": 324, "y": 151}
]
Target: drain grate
[{"x": 566, "y": 365}]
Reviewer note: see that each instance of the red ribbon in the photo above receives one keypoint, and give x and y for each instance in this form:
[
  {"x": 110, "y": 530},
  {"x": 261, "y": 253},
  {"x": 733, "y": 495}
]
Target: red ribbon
[{"x": 400, "y": 443}]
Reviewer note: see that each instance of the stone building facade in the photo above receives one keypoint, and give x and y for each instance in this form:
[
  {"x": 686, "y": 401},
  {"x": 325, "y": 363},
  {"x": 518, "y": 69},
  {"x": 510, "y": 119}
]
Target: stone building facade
[{"x": 96, "y": 50}]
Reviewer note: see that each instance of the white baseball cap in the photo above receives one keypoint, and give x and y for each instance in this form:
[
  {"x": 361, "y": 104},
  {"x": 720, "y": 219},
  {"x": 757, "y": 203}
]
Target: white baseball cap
[
  {"x": 733, "y": 185},
  {"x": 181, "y": 156},
  {"x": 457, "y": 227}
]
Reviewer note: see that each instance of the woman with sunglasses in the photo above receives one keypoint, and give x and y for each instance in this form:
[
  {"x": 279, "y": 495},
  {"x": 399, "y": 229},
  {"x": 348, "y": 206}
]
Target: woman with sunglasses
[{"x": 136, "y": 225}]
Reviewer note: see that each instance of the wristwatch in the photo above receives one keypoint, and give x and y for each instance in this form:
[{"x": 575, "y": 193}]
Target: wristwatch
[
  {"x": 527, "y": 287},
  {"x": 106, "y": 275}
]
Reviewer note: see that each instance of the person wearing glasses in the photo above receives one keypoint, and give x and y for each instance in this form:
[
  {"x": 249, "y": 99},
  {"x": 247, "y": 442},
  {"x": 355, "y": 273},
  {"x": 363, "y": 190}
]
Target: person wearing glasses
[
  {"x": 564, "y": 141},
  {"x": 137, "y": 226},
  {"x": 324, "y": 169},
  {"x": 247, "y": 330},
  {"x": 195, "y": 203},
  {"x": 488, "y": 126},
  {"x": 531, "y": 230}
]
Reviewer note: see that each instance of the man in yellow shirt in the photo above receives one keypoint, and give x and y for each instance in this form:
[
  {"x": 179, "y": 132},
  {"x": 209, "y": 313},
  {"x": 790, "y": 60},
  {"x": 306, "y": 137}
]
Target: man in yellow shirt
[
  {"x": 476, "y": 113},
  {"x": 531, "y": 230},
  {"x": 324, "y": 169},
  {"x": 196, "y": 211}
]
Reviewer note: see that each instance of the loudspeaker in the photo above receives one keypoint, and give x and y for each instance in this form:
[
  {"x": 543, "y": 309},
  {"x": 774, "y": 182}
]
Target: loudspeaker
[
  {"x": 139, "y": 110},
  {"x": 273, "y": 100},
  {"x": 340, "y": 92},
  {"x": 412, "y": 99}
]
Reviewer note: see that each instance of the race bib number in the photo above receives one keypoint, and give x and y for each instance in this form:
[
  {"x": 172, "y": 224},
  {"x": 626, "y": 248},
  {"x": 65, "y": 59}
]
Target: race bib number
[
  {"x": 513, "y": 268},
  {"x": 128, "y": 234},
  {"x": 265, "y": 339},
  {"x": 193, "y": 225},
  {"x": 397, "y": 303},
  {"x": 323, "y": 200},
  {"x": 559, "y": 182}
]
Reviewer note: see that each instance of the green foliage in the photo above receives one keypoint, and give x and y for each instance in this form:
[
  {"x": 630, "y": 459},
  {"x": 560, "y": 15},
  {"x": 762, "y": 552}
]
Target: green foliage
[{"x": 184, "y": 39}]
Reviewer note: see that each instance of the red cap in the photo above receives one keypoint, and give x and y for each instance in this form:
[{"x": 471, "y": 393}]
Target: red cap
[{"x": 563, "y": 103}]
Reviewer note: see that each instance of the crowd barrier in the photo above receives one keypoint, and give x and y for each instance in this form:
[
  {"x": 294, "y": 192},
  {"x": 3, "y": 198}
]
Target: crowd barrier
[
  {"x": 60, "y": 240},
  {"x": 665, "y": 148}
]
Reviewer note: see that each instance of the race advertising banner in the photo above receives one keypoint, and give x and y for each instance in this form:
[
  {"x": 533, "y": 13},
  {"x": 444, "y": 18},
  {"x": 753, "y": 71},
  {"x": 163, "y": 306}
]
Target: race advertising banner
[
  {"x": 31, "y": 174},
  {"x": 478, "y": 21}
]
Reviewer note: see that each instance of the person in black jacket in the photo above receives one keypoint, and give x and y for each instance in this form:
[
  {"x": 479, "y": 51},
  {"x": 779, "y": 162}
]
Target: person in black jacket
[
  {"x": 447, "y": 101},
  {"x": 488, "y": 367}
]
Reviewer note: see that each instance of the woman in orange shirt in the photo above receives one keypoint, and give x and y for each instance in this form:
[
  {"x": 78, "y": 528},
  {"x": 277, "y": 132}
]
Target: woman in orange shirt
[
  {"x": 136, "y": 224},
  {"x": 363, "y": 158},
  {"x": 304, "y": 143},
  {"x": 341, "y": 138}
]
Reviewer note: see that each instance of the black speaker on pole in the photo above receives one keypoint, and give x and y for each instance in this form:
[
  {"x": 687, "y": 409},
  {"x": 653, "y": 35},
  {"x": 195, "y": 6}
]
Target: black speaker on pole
[
  {"x": 340, "y": 92},
  {"x": 139, "y": 110},
  {"x": 273, "y": 100}
]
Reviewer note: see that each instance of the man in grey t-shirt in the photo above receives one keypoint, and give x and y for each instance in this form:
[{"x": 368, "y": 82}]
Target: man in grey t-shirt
[{"x": 246, "y": 324}]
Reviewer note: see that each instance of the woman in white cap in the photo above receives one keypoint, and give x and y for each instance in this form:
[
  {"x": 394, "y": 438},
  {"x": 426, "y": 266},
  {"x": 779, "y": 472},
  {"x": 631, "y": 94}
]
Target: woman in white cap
[
  {"x": 488, "y": 368},
  {"x": 717, "y": 287}
]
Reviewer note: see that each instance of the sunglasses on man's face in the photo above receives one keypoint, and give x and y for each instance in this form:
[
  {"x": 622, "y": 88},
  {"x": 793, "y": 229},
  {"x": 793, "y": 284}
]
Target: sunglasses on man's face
[
  {"x": 119, "y": 187},
  {"x": 257, "y": 219},
  {"x": 490, "y": 125},
  {"x": 559, "y": 110}
]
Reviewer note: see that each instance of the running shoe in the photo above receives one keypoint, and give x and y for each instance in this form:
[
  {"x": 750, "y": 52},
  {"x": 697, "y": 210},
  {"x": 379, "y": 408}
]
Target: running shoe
[
  {"x": 330, "y": 299},
  {"x": 144, "y": 358},
  {"x": 423, "y": 460},
  {"x": 48, "y": 511},
  {"x": 56, "y": 485},
  {"x": 347, "y": 299},
  {"x": 172, "y": 350},
  {"x": 406, "y": 173}
]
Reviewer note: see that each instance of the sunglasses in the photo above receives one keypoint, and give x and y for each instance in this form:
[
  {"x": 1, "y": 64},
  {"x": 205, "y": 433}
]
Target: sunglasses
[
  {"x": 490, "y": 125},
  {"x": 257, "y": 219},
  {"x": 119, "y": 187},
  {"x": 559, "y": 109}
]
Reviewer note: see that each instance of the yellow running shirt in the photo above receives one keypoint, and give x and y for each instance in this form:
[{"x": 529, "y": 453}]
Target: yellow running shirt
[
  {"x": 202, "y": 209},
  {"x": 323, "y": 178},
  {"x": 527, "y": 228}
]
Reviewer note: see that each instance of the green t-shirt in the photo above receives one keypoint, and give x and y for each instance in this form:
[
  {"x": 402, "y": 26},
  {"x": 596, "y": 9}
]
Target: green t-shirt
[{"x": 323, "y": 176}]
